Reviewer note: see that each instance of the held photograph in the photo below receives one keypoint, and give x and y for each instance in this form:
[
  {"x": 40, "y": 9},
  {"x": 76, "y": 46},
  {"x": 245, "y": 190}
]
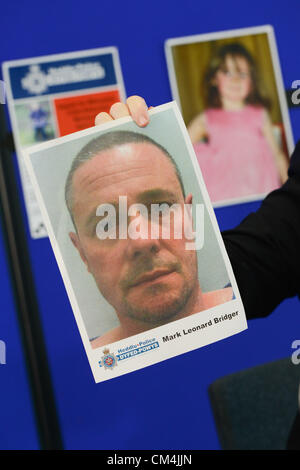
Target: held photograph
[
  {"x": 229, "y": 88},
  {"x": 136, "y": 240}
]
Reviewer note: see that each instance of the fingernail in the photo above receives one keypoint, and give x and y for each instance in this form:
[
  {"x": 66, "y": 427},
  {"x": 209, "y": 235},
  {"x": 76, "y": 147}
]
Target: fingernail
[{"x": 143, "y": 121}]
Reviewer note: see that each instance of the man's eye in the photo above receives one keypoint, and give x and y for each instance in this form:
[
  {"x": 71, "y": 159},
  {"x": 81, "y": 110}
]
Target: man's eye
[
  {"x": 163, "y": 207},
  {"x": 166, "y": 204}
]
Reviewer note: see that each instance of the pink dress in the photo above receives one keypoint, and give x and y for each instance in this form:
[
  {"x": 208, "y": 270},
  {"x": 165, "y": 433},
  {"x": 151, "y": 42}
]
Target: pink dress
[{"x": 237, "y": 161}]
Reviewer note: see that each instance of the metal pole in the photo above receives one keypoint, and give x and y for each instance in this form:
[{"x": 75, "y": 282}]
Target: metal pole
[{"x": 25, "y": 298}]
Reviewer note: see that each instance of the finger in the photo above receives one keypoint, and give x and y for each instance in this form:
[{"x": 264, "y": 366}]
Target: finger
[
  {"x": 101, "y": 118},
  {"x": 119, "y": 110},
  {"x": 138, "y": 110}
]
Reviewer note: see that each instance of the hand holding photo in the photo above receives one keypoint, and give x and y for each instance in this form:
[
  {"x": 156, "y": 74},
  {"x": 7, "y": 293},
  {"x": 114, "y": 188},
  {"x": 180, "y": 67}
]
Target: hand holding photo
[{"x": 136, "y": 241}]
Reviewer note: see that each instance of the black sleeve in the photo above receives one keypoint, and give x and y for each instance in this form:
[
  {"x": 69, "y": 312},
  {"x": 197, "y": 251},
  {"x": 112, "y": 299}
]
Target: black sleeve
[{"x": 264, "y": 249}]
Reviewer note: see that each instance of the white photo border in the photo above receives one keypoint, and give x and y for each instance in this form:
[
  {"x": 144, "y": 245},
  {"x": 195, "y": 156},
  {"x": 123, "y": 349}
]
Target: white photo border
[{"x": 171, "y": 349}]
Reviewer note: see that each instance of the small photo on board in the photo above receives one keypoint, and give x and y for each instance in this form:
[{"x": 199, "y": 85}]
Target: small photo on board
[
  {"x": 35, "y": 122},
  {"x": 136, "y": 241},
  {"x": 55, "y": 95},
  {"x": 229, "y": 88}
]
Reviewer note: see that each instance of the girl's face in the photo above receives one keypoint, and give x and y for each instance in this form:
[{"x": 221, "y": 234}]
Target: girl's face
[{"x": 234, "y": 80}]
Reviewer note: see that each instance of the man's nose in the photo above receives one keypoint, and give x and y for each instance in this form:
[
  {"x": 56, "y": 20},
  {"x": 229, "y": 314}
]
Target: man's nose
[
  {"x": 140, "y": 242},
  {"x": 142, "y": 247}
]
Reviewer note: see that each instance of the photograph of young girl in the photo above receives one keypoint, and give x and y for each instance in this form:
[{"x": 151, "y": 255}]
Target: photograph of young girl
[{"x": 230, "y": 95}]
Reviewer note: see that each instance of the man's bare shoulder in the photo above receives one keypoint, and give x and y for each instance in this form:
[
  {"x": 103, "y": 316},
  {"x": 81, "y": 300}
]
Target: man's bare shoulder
[
  {"x": 217, "y": 297},
  {"x": 110, "y": 337},
  {"x": 211, "y": 299}
]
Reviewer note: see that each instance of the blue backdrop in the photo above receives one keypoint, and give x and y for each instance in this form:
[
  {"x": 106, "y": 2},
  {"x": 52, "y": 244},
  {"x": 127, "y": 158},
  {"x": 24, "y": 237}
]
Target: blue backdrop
[{"x": 164, "y": 406}]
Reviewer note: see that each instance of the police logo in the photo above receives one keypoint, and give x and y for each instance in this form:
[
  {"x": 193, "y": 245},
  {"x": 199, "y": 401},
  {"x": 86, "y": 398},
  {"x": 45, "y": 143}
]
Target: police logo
[
  {"x": 109, "y": 360},
  {"x": 35, "y": 81}
]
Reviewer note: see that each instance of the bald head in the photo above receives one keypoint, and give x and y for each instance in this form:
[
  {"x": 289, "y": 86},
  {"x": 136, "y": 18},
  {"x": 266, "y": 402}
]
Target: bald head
[{"x": 100, "y": 145}]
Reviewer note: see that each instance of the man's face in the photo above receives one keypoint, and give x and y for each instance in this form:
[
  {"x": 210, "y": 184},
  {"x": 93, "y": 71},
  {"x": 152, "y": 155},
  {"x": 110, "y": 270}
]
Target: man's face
[{"x": 147, "y": 279}]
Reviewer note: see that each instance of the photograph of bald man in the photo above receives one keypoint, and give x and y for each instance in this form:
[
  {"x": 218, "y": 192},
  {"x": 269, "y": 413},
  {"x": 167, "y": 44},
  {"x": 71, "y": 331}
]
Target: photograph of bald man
[{"x": 149, "y": 281}]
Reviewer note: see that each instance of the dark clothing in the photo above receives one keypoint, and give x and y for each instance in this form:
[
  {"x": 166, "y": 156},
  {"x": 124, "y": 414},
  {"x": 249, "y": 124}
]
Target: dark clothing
[
  {"x": 264, "y": 251},
  {"x": 294, "y": 437}
]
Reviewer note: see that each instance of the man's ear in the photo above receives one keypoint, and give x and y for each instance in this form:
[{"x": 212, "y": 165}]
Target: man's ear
[
  {"x": 188, "y": 202},
  {"x": 188, "y": 208},
  {"x": 189, "y": 199},
  {"x": 76, "y": 242}
]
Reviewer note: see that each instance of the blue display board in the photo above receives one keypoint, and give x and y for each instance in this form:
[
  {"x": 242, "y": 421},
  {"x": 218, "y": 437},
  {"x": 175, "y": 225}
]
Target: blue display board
[
  {"x": 17, "y": 424},
  {"x": 164, "y": 406}
]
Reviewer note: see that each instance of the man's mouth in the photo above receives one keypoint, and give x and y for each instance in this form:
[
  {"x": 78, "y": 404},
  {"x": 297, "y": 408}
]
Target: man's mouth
[{"x": 152, "y": 276}]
